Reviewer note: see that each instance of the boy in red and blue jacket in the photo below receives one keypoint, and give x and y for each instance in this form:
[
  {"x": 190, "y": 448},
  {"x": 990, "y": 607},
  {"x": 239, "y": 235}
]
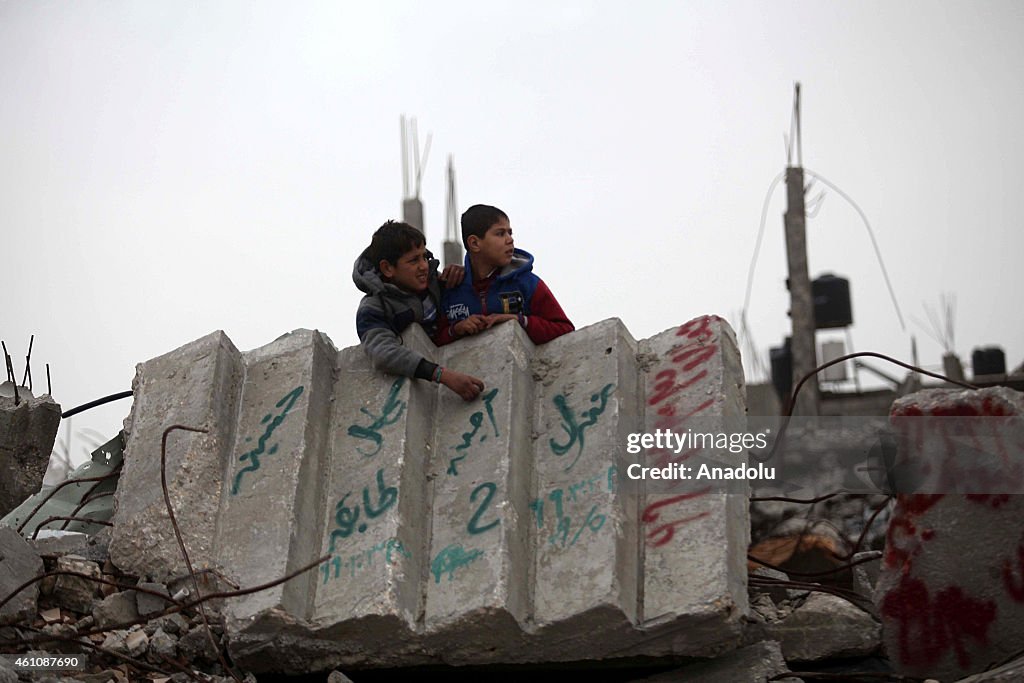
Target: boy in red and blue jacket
[{"x": 499, "y": 285}]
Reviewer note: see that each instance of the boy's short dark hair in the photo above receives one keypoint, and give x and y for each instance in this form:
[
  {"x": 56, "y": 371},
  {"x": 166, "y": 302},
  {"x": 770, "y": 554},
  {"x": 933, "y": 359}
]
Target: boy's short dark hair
[
  {"x": 478, "y": 219},
  {"x": 393, "y": 239}
]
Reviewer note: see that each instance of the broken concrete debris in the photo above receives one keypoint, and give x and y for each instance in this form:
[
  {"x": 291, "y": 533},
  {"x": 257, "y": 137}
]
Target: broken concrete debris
[
  {"x": 121, "y": 645},
  {"x": 19, "y": 564},
  {"x": 826, "y": 626},
  {"x": 951, "y": 588},
  {"x": 27, "y": 433}
]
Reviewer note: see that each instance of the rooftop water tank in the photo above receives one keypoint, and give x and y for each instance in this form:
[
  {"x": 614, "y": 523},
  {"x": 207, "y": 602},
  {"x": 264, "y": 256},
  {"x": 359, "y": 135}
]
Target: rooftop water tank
[
  {"x": 989, "y": 360},
  {"x": 831, "y": 296}
]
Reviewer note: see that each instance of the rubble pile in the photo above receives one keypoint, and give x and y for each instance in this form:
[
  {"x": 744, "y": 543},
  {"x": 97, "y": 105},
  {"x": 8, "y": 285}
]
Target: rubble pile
[
  {"x": 929, "y": 586},
  {"x": 128, "y": 628}
]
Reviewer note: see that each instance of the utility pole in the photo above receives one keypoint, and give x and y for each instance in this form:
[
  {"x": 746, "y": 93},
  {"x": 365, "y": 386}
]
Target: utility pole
[
  {"x": 412, "y": 173},
  {"x": 801, "y": 306},
  {"x": 452, "y": 237}
]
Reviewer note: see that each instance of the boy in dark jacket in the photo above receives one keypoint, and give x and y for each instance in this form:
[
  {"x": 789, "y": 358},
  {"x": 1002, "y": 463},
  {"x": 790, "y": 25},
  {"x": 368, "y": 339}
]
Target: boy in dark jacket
[
  {"x": 499, "y": 285},
  {"x": 400, "y": 279}
]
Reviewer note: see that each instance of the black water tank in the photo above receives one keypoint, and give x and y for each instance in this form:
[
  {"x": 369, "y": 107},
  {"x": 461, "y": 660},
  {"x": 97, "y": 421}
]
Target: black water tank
[
  {"x": 831, "y": 296},
  {"x": 782, "y": 369},
  {"x": 989, "y": 360}
]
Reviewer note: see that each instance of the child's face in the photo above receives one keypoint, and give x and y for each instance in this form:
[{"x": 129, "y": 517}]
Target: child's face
[
  {"x": 496, "y": 246},
  {"x": 411, "y": 272}
]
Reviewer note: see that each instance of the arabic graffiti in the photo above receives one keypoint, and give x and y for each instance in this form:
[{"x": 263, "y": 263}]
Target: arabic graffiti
[
  {"x": 575, "y": 430},
  {"x": 665, "y": 532},
  {"x": 593, "y": 520},
  {"x": 476, "y": 420},
  {"x": 929, "y": 626},
  {"x": 452, "y": 558},
  {"x": 345, "y": 518},
  {"x": 390, "y": 413},
  {"x": 699, "y": 345},
  {"x": 363, "y": 559},
  {"x": 272, "y": 422}
]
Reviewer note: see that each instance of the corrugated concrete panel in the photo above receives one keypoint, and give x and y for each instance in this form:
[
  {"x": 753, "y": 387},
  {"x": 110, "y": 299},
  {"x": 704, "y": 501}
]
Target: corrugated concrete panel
[
  {"x": 197, "y": 385},
  {"x": 375, "y": 527},
  {"x": 273, "y": 492},
  {"x": 478, "y": 583},
  {"x": 585, "y": 530},
  {"x": 692, "y": 572},
  {"x": 499, "y": 530}
]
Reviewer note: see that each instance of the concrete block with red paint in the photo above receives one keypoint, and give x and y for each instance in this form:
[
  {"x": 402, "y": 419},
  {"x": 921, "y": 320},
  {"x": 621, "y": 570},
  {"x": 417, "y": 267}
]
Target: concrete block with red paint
[
  {"x": 693, "y": 542},
  {"x": 951, "y": 588}
]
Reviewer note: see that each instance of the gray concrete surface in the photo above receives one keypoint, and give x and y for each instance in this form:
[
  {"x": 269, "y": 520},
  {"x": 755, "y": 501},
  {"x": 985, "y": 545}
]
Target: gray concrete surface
[
  {"x": 271, "y": 506},
  {"x": 19, "y": 564},
  {"x": 694, "y": 538},
  {"x": 198, "y": 386},
  {"x": 27, "y": 433},
  {"x": 491, "y": 531},
  {"x": 824, "y": 627},
  {"x": 584, "y": 525},
  {"x": 481, "y": 469}
]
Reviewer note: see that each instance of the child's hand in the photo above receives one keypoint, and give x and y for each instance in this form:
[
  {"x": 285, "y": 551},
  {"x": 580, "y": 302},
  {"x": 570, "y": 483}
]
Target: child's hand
[
  {"x": 466, "y": 386},
  {"x": 496, "y": 318},
  {"x": 452, "y": 276},
  {"x": 471, "y": 325}
]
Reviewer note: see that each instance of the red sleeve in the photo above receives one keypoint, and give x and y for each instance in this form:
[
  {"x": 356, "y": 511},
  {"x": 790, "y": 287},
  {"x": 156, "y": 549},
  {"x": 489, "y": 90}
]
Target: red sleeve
[
  {"x": 443, "y": 333},
  {"x": 546, "y": 321}
]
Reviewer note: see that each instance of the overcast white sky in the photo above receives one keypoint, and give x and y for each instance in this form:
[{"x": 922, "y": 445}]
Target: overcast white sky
[{"x": 169, "y": 169}]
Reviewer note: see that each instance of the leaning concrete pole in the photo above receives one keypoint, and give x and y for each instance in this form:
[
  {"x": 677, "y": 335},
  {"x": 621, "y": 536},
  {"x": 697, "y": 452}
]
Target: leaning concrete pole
[{"x": 801, "y": 307}]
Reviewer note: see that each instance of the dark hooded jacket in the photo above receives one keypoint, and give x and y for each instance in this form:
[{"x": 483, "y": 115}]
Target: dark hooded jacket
[{"x": 386, "y": 311}]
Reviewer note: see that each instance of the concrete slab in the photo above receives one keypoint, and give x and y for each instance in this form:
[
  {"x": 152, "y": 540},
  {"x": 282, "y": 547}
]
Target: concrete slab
[
  {"x": 584, "y": 530},
  {"x": 18, "y": 563},
  {"x": 271, "y": 512},
  {"x": 695, "y": 538},
  {"x": 481, "y": 469},
  {"x": 951, "y": 587},
  {"x": 196, "y": 385},
  {"x": 376, "y": 527},
  {"x": 460, "y": 533}
]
